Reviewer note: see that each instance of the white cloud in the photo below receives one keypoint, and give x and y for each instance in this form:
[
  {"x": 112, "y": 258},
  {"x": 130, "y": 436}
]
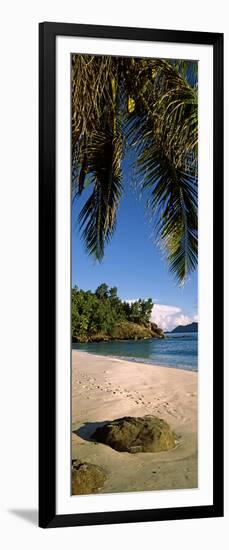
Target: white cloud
[
  {"x": 169, "y": 317},
  {"x": 185, "y": 319}
]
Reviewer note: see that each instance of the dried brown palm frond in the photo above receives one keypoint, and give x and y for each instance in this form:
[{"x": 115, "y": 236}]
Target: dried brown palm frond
[{"x": 90, "y": 94}]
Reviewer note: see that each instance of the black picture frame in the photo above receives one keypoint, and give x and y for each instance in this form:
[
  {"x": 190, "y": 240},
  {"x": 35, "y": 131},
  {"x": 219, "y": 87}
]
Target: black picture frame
[{"x": 47, "y": 274}]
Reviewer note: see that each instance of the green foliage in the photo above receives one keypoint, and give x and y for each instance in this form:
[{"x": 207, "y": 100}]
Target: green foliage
[
  {"x": 148, "y": 107},
  {"x": 102, "y": 291},
  {"x": 102, "y": 314}
]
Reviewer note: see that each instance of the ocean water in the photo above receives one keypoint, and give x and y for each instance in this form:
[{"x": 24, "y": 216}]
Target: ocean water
[{"x": 178, "y": 350}]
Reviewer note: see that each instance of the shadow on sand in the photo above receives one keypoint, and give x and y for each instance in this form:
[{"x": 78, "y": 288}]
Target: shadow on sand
[{"x": 87, "y": 430}]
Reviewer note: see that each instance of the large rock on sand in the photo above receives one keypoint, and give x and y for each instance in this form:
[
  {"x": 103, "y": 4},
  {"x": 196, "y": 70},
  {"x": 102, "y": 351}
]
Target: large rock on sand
[
  {"x": 86, "y": 478},
  {"x": 147, "y": 434}
]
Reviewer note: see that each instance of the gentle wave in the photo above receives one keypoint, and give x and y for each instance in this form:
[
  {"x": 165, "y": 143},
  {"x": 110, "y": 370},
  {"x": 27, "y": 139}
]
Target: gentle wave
[{"x": 180, "y": 352}]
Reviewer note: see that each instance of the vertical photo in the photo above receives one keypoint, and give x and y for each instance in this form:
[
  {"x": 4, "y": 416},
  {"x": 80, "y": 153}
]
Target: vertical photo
[{"x": 134, "y": 280}]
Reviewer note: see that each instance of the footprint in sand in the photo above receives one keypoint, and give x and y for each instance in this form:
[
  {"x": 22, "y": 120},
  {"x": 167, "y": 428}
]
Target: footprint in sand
[{"x": 170, "y": 413}]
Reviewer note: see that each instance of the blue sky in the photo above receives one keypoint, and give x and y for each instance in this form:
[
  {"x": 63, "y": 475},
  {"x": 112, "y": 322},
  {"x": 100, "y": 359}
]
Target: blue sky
[{"x": 134, "y": 263}]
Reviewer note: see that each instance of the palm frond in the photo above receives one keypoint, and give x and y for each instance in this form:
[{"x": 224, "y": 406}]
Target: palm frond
[
  {"x": 98, "y": 215},
  {"x": 174, "y": 112},
  {"x": 164, "y": 133},
  {"x": 187, "y": 69},
  {"x": 173, "y": 204},
  {"x": 91, "y": 98},
  {"x": 151, "y": 104},
  {"x": 177, "y": 225}
]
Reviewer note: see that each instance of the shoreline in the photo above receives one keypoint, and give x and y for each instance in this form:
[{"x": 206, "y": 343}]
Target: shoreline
[
  {"x": 133, "y": 360},
  {"x": 105, "y": 388}
]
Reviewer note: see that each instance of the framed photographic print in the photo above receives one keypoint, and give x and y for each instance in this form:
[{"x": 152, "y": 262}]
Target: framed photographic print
[{"x": 131, "y": 275}]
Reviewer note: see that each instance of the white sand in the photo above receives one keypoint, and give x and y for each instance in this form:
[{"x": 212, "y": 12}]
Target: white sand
[{"x": 103, "y": 389}]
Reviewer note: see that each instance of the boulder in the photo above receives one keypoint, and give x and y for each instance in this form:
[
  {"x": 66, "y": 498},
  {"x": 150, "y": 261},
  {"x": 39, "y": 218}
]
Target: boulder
[
  {"x": 86, "y": 478},
  {"x": 137, "y": 435}
]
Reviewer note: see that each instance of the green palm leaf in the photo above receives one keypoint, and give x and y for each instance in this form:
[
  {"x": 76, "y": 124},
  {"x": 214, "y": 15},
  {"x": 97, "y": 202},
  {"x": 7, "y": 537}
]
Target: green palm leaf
[
  {"x": 172, "y": 201},
  {"x": 165, "y": 139},
  {"x": 150, "y": 104},
  {"x": 98, "y": 215}
]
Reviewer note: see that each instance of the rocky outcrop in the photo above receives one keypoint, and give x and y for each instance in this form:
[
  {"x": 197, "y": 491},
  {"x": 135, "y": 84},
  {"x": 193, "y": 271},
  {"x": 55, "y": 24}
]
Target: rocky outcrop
[
  {"x": 86, "y": 478},
  {"x": 125, "y": 330},
  {"x": 156, "y": 331},
  {"x": 137, "y": 435}
]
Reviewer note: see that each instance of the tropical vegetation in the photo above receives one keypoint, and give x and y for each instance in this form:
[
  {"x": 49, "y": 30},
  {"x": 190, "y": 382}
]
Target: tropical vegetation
[
  {"x": 147, "y": 109},
  {"x": 102, "y": 315}
]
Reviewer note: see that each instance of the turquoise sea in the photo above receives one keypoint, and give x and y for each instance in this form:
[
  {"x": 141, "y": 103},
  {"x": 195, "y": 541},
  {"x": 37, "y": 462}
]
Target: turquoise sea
[{"x": 177, "y": 350}]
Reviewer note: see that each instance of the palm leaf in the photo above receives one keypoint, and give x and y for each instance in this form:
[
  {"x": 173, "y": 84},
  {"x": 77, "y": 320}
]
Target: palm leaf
[
  {"x": 174, "y": 111},
  {"x": 98, "y": 215},
  {"x": 91, "y": 98},
  {"x": 173, "y": 204},
  {"x": 157, "y": 108},
  {"x": 163, "y": 133}
]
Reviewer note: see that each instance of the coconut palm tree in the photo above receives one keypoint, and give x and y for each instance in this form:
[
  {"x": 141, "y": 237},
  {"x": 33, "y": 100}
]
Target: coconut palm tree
[{"x": 149, "y": 107}]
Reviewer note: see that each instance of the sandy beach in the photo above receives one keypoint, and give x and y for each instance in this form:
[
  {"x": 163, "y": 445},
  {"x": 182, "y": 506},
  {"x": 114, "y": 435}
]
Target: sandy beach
[{"x": 104, "y": 389}]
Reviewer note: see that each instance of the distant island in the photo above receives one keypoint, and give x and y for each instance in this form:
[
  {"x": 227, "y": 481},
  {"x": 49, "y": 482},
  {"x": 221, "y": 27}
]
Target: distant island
[
  {"x": 192, "y": 327},
  {"x": 102, "y": 316}
]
